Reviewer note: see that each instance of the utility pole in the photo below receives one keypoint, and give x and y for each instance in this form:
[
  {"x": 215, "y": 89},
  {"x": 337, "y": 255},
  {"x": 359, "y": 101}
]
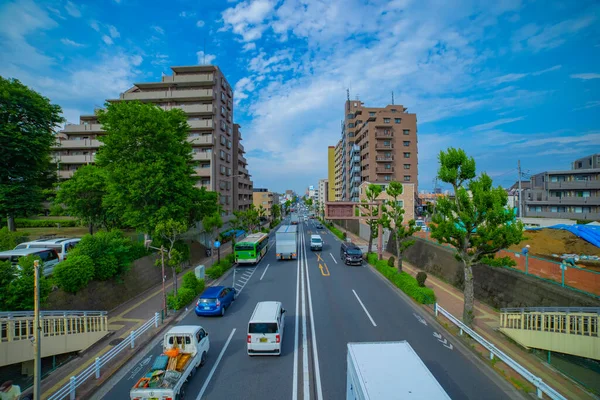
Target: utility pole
[
  {"x": 520, "y": 204},
  {"x": 164, "y": 278},
  {"x": 37, "y": 348}
]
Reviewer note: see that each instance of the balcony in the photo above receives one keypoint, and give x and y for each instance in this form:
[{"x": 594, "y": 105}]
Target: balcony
[
  {"x": 75, "y": 159},
  {"x": 574, "y": 185},
  {"x": 203, "y": 172},
  {"x": 565, "y": 201},
  {"x": 383, "y": 135},
  {"x": 83, "y": 128},
  {"x": 91, "y": 144},
  {"x": 164, "y": 95},
  {"x": 201, "y": 140},
  {"x": 384, "y": 158},
  {"x": 66, "y": 174},
  {"x": 241, "y": 148},
  {"x": 201, "y": 124},
  {"x": 380, "y": 170},
  {"x": 202, "y": 156},
  {"x": 566, "y": 215},
  {"x": 207, "y": 79},
  {"x": 383, "y": 124},
  {"x": 381, "y": 146},
  {"x": 195, "y": 108}
]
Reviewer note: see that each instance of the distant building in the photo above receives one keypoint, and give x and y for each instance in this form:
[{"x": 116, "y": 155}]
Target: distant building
[
  {"x": 323, "y": 193},
  {"x": 589, "y": 162},
  {"x": 406, "y": 199},
  {"x": 262, "y": 197}
]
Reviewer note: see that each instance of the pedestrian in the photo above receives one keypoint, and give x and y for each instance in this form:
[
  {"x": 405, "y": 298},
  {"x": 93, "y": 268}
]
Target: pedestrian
[{"x": 8, "y": 391}]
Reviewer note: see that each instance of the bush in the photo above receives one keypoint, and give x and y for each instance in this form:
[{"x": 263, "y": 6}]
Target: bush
[
  {"x": 74, "y": 273},
  {"x": 264, "y": 230},
  {"x": 9, "y": 240},
  {"x": 45, "y": 223},
  {"x": 191, "y": 282},
  {"x": 405, "y": 282},
  {"x": 215, "y": 271},
  {"x": 421, "y": 277},
  {"x": 18, "y": 286},
  {"x": 499, "y": 262},
  {"x": 184, "y": 297},
  {"x": 57, "y": 210},
  {"x": 391, "y": 262}
]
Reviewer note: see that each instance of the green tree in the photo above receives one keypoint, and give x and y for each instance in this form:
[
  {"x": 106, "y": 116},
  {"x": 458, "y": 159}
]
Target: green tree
[
  {"x": 27, "y": 124},
  {"x": 19, "y": 293},
  {"x": 288, "y": 204},
  {"x": 9, "y": 240},
  {"x": 149, "y": 166},
  {"x": 210, "y": 223},
  {"x": 74, "y": 273},
  {"x": 262, "y": 212},
  {"x": 83, "y": 195},
  {"x": 170, "y": 232},
  {"x": 275, "y": 212},
  {"x": 372, "y": 192},
  {"x": 394, "y": 218},
  {"x": 476, "y": 222}
]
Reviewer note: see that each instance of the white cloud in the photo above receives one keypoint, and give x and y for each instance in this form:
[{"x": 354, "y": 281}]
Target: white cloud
[
  {"x": 591, "y": 138},
  {"x": 589, "y": 104},
  {"x": 70, "y": 42},
  {"x": 95, "y": 26},
  {"x": 205, "y": 59},
  {"x": 107, "y": 40},
  {"x": 160, "y": 59},
  {"x": 493, "y": 124},
  {"x": 555, "y": 68},
  {"x": 508, "y": 78},
  {"x": 586, "y": 76},
  {"x": 249, "y": 46},
  {"x": 72, "y": 10},
  {"x": 544, "y": 38},
  {"x": 200, "y": 23},
  {"x": 114, "y": 33},
  {"x": 187, "y": 14},
  {"x": 248, "y": 18},
  {"x": 158, "y": 29}
]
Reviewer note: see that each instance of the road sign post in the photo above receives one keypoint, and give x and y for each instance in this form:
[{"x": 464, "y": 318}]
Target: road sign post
[{"x": 218, "y": 247}]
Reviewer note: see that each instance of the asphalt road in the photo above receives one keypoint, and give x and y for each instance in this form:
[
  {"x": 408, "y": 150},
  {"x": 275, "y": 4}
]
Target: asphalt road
[{"x": 337, "y": 304}]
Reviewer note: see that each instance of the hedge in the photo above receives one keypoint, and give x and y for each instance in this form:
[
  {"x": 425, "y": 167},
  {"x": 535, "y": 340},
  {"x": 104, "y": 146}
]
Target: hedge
[
  {"x": 334, "y": 230},
  {"x": 218, "y": 269},
  {"x": 74, "y": 273},
  {"x": 45, "y": 223},
  {"x": 190, "y": 288},
  {"x": 404, "y": 281}
]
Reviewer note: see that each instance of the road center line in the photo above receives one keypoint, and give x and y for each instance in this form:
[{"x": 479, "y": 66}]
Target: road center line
[
  {"x": 305, "y": 374},
  {"x": 296, "y": 328},
  {"x": 334, "y": 260},
  {"x": 214, "y": 368},
  {"x": 264, "y": 272},
  {"x": 364, "y": 308}
]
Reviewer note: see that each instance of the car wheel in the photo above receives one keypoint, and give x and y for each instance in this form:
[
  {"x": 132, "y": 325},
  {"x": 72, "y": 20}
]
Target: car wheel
[
  {"x": 203, "y": 359},
  {"x": 222, "y": 311}
]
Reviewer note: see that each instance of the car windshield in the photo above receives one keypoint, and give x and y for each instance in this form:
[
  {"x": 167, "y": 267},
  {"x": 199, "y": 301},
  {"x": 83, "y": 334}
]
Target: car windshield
[
  {"x": 206, "y": 301},
  {"x": 354, "y": 252},
  {"x": 244, "y": 246},
  {"x": 316, "y": 240},
  {"x": 261, "y": 327}
]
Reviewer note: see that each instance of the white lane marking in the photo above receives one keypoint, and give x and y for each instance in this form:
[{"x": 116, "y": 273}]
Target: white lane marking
[
  {"x": 334, "y": 260},
  {"x": 214, "y": 368},
  {"x": 244, "y": 283},
  {"x": 364, "y": 308},
  {"x": 314, "y": 335},
  {"x": 305, "y": 375},
  {"x": 264, "y": 272},
  {"x": 247, "y": 273},
  {"x": 295, "y": 371}
]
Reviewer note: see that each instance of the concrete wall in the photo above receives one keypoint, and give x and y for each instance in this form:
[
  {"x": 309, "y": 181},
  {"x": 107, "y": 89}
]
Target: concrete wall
[
  {"x": 498, "y": 287},
  {"x": 351, "y": 225}
]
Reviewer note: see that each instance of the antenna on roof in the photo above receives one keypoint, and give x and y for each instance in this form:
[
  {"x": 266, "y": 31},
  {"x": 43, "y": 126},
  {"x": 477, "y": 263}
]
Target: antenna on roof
[
  {"x": 392, "y": 97},
  {"x": 348, "y": 98}
]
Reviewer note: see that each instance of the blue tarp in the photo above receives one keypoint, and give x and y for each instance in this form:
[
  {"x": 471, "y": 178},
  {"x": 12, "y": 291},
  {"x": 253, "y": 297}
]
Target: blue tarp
[
  {"x": 238, "y": 233},
  {"x": 588, "y": 233}
]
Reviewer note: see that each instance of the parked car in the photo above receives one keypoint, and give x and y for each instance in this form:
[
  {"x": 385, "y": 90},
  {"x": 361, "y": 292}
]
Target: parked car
[
  {"x": 351, "y": 254},
  {"x": 61, "y": 245},
  {"x": 49, "y": 257},
  {"x": 215, "y": 300}
]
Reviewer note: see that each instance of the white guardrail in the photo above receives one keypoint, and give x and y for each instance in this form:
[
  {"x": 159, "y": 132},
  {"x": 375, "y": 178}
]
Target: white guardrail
[
  {"x": 94, "y": 369},
  {"x": 540, "y": 385}
]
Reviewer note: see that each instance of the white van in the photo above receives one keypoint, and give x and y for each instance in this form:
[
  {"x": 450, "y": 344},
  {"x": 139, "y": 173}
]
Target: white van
[
  {"x": 316, "y": 242},
  {"x": 265, "y": 329},
  {"x": 61, "y": 245}
]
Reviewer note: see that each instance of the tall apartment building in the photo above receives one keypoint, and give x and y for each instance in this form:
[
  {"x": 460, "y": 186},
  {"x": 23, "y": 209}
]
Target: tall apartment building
[
  {"x": 330, "y": 173},
  {"x": 262, "y": 197},
  {"x": 323, "y": 193},
  {"x": 338, "y": 176},
  {"x": 204, "y": 94},
  {"x": 378, "y": 145},
  {"x": 573, "y": 194}
]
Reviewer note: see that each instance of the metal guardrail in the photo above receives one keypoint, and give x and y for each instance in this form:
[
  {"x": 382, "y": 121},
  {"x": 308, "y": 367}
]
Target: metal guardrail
[
  {"x": 66, "y": 313},
  {"x": 69, "y": 389},
  {"x": 540, "y": 385},
  {"x": 587, "y": 310}
]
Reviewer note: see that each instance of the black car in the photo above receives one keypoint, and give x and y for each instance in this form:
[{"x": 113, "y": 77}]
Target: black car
[
  {"x": 351, "y": 254},
  {"x": 319, "y": 226}
]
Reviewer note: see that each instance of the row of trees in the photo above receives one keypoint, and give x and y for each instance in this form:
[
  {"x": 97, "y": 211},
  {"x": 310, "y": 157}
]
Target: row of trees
[{"x": 475, "y": 221}]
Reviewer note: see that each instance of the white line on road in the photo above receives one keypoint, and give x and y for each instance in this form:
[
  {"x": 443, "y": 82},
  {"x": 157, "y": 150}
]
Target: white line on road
[
  {"x": 334, "y": 260},
  {"x": 295, "y": 371},
  {"x": 364, "y": 308},
  {"x": 264, "y": 272},
  {"x": 212, "y": 371},
  {"x": 305, "y": 374},
  {"x": 242, "y": 279}
]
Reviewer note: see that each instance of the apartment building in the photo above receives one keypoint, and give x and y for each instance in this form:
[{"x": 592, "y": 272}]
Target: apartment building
[
  {"x": 330, "y": 173},
  {"x": 338, "y": 175},
  {"x": 204, "y": 94},
  {"x": 378, "y": 145},
  {"x": 262, "y": 197},
  {"x": 323, "y": 192},
  {"x": 406, "y": 199},
  {"x": 573, "y": 194},
  {"x": 589, "y": 162}
]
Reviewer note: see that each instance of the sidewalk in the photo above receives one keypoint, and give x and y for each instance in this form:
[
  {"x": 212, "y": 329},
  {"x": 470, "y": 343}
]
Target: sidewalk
[
  {"x": 487, "y": 321},
  {"x": 121, "y": 321}
]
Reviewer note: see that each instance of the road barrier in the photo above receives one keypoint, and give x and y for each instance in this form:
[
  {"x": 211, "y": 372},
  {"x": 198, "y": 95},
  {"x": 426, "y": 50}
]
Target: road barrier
[
  {"x": 69, "y": 389},
  {"x": 540, "y": 385}
]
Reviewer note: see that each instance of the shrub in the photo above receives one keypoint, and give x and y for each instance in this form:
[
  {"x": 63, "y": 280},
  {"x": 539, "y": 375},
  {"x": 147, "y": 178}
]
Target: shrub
[
  {"x": 191, "y": 282},
  {"x": 45, "y": 223},
  {"x": 19, "y": 288},
  {"x": 391, "y": 261},
  {"x": 56, "y": 210},
  {"x": 215, "y": 271},
  {"x": 74, "y": 273},
  {"x": 499, "y": 262},
  {"x": 184, "y": 297},
  {"x": 9, "y": 240},
  {"x": 421, "y": 277}
]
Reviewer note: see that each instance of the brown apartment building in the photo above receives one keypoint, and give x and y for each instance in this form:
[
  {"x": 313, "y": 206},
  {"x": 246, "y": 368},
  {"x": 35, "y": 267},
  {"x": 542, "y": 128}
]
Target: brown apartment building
[
  {"x": 378, "y": 145},
  {"x": 204, "y": 94}
]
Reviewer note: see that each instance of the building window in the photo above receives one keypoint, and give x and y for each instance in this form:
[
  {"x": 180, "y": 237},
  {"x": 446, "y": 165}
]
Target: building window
[
  {"x": 222, "y": 154},
  {"x": 406, "y": 155},
  {"x": 228, "y": 171},
  {"x": 204, "y": 165},
  {"x": 228, "y": 144},
  {"x": 406, "y": 178},
  {"x": 406, "y": 143},
  {"x": 406, "y": 166},
  {"x": 397, "y": 120},
  {"x": 223, "y": 96},
  {"x": 394, "y": 110},
  {"x": 229, "y": 130},
  {"x": 371, "y": 113},
  {"x": 406, "y": 131},
  {"x": 351, "y": 125},
  {"x": 387, "y": 178},
  {"x": 388, "y": 166},
  {"x": 223, "y": 140},
  {"x": 222, "y": 169},
  {"x": 228, "y": 157},
  {"x": 386, "y": 143},
  {"x": 223, "y": 126},
  {"x": 350, "y": 116},
  {"x": 222, "y": 110},
  {"x": 386, "y": 120}
]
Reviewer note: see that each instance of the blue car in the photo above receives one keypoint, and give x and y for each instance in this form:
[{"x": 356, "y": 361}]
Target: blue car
[{"x": 215, "y": 300}]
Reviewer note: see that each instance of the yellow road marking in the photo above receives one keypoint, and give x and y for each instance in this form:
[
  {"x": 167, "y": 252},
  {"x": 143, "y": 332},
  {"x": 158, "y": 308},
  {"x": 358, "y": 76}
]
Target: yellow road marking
[
  {"x": 319, "y": 257},
  {"x": 324, "y": 269}
]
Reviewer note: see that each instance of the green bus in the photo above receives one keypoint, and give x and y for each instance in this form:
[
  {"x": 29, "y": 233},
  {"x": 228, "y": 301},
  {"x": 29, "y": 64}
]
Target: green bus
[{"x": 251, "y": 249}]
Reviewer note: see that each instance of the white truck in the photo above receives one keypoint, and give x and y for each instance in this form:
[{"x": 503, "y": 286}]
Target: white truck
[
  {"x": 389, "y": 370},
  {"x": 286, "y": 242},
  {"x": 294, "y": 219},
  {"x": 184, "y": 350}
]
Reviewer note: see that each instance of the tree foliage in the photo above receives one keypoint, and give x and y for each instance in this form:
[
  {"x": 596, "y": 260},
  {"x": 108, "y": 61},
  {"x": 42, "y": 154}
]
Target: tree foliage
[
  {"x": 275, "y": 212},
  {"x": 211, "y": 223},
  {"x": 74, "y": 273},
  {"x": 149, "y": 166},
  {"x": 17, "y": 285},
  {"x": 394, "y": 220},
  {"x": 169, "y": 234},
  {"x": 9, "y": 240},
  {"x": 372, "y": 192},
  {"x": 476, "y": 222},
  {"x": 27, "y": 124},
  {"x": 247, "y": 220}
]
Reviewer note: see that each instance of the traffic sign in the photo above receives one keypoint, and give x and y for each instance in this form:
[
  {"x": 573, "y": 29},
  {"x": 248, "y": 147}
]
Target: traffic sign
[{"x": 217, "y": 244}]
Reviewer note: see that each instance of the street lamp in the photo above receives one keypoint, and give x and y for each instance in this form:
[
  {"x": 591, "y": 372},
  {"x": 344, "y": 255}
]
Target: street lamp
[{"x": 162, "y": 260}]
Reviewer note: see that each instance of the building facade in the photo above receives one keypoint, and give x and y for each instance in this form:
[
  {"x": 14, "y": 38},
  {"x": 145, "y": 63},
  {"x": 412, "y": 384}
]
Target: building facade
[
  {"x": 323, "y": 193},
  {"x": 206, "y": 97},
  {"x": 338, "y": 168},
  {"x": 572, "y": 194},
  {"x": 243, "y": 187},
  {"x": 331, "y": 173},
  {"x": 588, "y": 162},
  {"x": 378, "y": 145},
  {"x": 263, "y": 198}
]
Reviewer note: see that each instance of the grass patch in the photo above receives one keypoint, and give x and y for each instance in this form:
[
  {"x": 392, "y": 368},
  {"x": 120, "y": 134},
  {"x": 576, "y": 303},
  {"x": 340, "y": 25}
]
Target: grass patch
[
  {"x": 404, "y": 281},
  {"x": 78, "y": 231},
  {"x": 519, "y": 384}
]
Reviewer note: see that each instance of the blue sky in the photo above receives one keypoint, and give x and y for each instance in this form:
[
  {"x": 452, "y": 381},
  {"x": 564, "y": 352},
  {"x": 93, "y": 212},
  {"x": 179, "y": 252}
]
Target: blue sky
[{"x": 505, "y": 80}]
